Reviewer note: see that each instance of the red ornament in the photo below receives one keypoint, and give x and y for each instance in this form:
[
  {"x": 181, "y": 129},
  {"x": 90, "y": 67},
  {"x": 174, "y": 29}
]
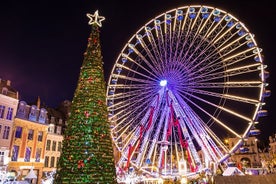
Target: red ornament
[
  {"x": 80, "y": 164},
  {"x": 100, "y": 102},
  {"x": 87, "y": 114},
  {"x": 90, "y": 79}
]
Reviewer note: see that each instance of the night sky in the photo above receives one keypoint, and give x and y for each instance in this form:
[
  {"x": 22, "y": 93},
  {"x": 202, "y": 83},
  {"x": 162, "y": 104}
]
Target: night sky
[{"x": 42, "y": 42}]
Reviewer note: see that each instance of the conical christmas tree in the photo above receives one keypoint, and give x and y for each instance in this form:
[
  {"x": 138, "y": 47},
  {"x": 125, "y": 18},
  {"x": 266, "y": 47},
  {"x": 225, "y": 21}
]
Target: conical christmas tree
[{"x": 87, "y": 154}]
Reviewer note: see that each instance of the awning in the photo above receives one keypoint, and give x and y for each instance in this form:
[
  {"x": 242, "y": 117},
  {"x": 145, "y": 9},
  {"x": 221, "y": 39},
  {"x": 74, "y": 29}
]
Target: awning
[{"x": 31, "y": 175}]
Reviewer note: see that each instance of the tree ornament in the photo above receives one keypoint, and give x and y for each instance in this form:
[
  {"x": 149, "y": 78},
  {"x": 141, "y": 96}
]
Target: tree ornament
[
  {"x": 87, "y": 114},
  {"x": 80, "y": 164}
]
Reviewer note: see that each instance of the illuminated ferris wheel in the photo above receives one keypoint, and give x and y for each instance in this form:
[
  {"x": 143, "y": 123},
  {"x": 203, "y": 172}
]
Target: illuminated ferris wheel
[{"x": 186, "y": 80}]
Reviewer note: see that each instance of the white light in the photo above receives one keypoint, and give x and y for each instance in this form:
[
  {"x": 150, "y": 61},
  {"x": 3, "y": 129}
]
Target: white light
[
  {"x": 163, "y": 82},
  {"x": 184, "y": 180},
  {"x": 160, "y": 181}
]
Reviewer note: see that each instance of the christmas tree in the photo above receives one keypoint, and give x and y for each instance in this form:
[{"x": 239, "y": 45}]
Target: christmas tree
[{"x": 87, "y": 153}]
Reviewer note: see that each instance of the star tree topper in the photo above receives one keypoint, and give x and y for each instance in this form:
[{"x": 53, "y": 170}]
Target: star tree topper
[{"x": 95, "y": 19}]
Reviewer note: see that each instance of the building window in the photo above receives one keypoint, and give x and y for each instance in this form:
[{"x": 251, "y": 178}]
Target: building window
[
  {"x": 48, "y": 145},
  {"x": 9, "y": 114},
  {"x": 52, "y": 164},
  {"x": 2, "y": 110},
  {"x": 30, "y": 134},
  {"x": 40, "y": 136},
  {"x": 0, "y": 129},
  {"x": 54, "y": 145},
  {"x": 2, "y": 153},
  {"x": 18, "y": 132},
  {"x": 59, "y": 146},
  {"x": 58, "y": 130},
  {"x": 28, "y": 154},
  {"x": 6, "y": 132},
  {"x": 42, "y": 115},
  {"x": 51, "y": 128},
  {"x": 5, "y": 91},
  {"x": 15, "y": 151},
  {"x": 38, "y": 154},
  {"x": 46, "y": 161},
  {"x": 21, "y": 109},
  {"x": 32, "y": 115}
]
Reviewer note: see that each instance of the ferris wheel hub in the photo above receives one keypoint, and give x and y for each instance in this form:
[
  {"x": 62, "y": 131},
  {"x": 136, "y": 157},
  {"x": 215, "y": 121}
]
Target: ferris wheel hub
[{"x": 163, "y": 83}]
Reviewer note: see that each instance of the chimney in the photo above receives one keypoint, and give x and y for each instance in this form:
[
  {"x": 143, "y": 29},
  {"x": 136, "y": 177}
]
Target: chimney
[
  {"x": 38, "y": 102},
  {"x": 8, "y": 83}
]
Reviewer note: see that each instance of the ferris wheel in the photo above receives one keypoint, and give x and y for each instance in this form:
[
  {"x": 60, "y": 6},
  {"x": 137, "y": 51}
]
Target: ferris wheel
[{"x": 185, "y": 81}]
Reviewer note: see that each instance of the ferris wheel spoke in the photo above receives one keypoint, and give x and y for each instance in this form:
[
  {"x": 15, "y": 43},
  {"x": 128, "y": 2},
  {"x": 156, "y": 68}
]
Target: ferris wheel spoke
[
  {"x": 211, "y": 75},
  {"x": 127, "y": 95},
  {"x": 150, "y": 62},
  {"x": 237, "y": 70},
  {"x": 208, "y": 24},
  {"x": 167, "y": 40},
  {"x": 232, "y": 45},
  {"x": 243, "y": 54},
  {"x": 217, "y": 66},
  {"x": 132, "y": 143},
  {"x": 177, "y": 33},
  {"x": 130, "y": 104},
  {"x": 163, "y": 53},
  {"x": 122, "y": 114},
  {"x": 127, "y": 59},
  {"x": 149, "y": 73},
  {"x": 133, "y": 80},
  {"x": 222, "y": 108},
  {"x": 131, "y": 86},
  {"x": 195, "y": 42},
  {"x": 203, "y": 18},
  {"x": 195, "y": 130},
  {"x": 206, "y": 53},
  {"x": 232, "y": 84},
  {"x": 236, "y": 43},
  {"x": 155, "y": 47},
  {"x": 216, "y": 138},
  {"x": 211, "y": 116},
  {"x": 225, "y": 34},
  {"x": 202, "y": 130},
  {"x": 225, "y": 96},
  {"x": 157, "y": 132}
]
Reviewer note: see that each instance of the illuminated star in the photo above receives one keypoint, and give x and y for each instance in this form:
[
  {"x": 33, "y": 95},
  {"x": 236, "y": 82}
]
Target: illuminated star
[{"x": 95, "y": 19}]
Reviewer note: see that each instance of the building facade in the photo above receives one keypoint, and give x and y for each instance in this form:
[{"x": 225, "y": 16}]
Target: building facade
[
  {"x": 29, "y": 135},
  {"x": 247, "y": 155},
  {"x": 8, "y": 108},
  {"x": 272, "y": 144},
  {"x": 57, "y": 122},
  {"x": 272, "y": 151},
  {"x": 53, "y": 145}
]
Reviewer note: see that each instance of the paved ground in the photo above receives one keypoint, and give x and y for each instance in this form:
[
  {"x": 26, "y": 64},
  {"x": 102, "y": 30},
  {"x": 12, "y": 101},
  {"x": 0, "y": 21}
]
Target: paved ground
[{"x": 258, "y": 179}]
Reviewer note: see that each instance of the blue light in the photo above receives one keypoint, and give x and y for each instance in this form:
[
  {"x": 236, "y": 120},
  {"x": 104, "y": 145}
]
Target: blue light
[{"x": 163, "y": 82}]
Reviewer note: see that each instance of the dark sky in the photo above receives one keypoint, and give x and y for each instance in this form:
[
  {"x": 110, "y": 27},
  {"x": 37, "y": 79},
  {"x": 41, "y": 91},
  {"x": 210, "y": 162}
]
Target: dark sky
[{"x": 42, "y": 41}]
